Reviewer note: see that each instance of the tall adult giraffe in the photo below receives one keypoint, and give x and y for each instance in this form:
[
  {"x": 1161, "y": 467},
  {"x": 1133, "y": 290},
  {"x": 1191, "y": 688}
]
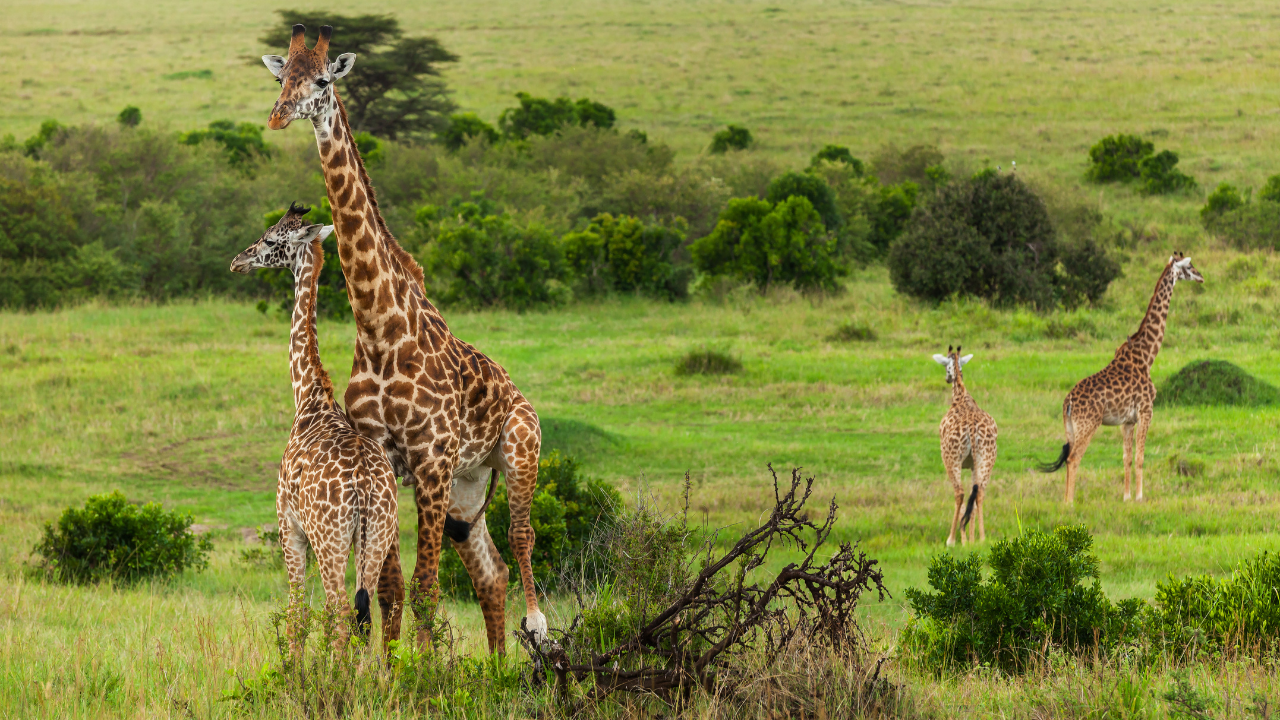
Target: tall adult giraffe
[
  {"x": 444, "y": 411},
  {"x": 1122, "y": 392}
]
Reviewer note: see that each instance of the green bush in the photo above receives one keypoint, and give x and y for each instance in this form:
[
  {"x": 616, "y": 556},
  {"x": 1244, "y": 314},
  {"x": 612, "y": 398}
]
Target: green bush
[
  {"x": 1117, "y": 158},
  {"x": 733, "y": 137},
  {"x": 1221, "y": 201},
  {"x": 49, "y": 129},
  {"x": 1160, "y": 176},
  {"x": 991, "y": 237},
  {"x": 763, "y": 243},
  {"x": 626, "y": 255},
  {"x": 483, "y": 259},
  {"x": 567, "y": 510},
  {"x": 113, "y": 539},
  {"x": 893, "y": 166},
  {"x": 666, "y": 196},
  {"x": 890, "y": 212},
  {"x": 1043, "y": 591},
  {"x": 242, "y": 143},
  {"x": 464, "y": 127},
  {"x": 1271, "y": 191},
  {"x": 1215, "y": 382},
  {"x": 838, "y": 154},
  {"x": 131, "y": 116},
  {"x": 1241, "y": 611},
  {"x": 540, "y": 116},
  {"x": 708, "y": 362},
  {"x": 1254, "y": 226},
  {"x": 811, "y": 187}
]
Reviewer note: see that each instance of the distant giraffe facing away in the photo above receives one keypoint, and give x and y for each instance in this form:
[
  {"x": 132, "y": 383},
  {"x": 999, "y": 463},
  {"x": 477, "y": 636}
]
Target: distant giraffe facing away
[
  {"x": 336, "y": 487},
  {"x": 968, "y": 439},
  {"x": 1122, "y": 393}
]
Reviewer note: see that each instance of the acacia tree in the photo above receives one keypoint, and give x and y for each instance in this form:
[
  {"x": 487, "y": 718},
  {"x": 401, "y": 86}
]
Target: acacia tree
[{"x": 395, "y": 87}]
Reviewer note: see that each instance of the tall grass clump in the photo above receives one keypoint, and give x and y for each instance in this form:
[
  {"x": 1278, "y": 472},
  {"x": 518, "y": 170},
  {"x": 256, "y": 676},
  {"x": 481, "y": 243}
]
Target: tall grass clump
[
  {"x": 1199, "y": 614},
  {"x": 113, "y": 539},
  {"x": 708, "y": 362},
  {"x": 1216, "y": 382}
]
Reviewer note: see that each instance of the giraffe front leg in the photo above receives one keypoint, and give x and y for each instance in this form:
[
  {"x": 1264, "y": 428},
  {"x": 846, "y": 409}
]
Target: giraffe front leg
[
  {"x": 1140, "y": 451},
  {"x": 520, "y": 445},
  {"x": 1127, "y": 433}
]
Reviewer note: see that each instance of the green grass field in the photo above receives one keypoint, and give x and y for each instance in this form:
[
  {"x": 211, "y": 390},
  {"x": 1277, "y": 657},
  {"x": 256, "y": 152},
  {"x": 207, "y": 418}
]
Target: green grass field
[{"x": 189, "y": 404}]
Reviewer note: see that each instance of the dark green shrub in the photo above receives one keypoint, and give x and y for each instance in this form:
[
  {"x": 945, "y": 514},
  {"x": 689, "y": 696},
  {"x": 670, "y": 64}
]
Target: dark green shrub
[
  {"x": 1117, "y": 158},
  {"x": 49, "y": 129},
  {"x": 990, "y": 236},
  {"x": 626, "y": 255},
  {"x": 481, "y": 259},
  {"x": 131, "y": 116},
  {"x": 567, "y": 510},
  {"x": 667, "y": 197},
  {"x": 708, "y": 362},
  {"x": 540, "y": 116},
  {"x": 113, "y": 539},
  {"x": 1241, "y": 610},
  {"x": 1255, "y": 226},
  {"x": 242, "y": 142},
  {"x": 838, "y": 154},
  {"x": 813, "y": 188},
  {"x": 1215, "y": 382},
  {"x": 592, "y": 154},
  {"x": 733, "y": 137},
  {"x": 464, "y": 127},
  {"x": 893, "y": 166},
  {"x": 1043, "y": 590},
  {"x": 1271, "y": 191},
  {"x": 370, "y": 148},
  {"x": 853, "y": 332},
  {"x": 890, "y": 212},
  {"x": 1221, "y": 201},
  {"x": 764, "y": 243},
  {"x": 1160, "y": 176}
]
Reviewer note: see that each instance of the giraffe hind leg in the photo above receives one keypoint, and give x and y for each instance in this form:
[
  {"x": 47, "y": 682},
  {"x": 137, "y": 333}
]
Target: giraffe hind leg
[{"x": 1127, "y": 434}]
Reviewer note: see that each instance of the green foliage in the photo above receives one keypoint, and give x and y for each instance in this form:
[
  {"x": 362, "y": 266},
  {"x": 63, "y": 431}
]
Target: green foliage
[
  {"x": 1255, "y": 226},
  {"x": 626, "y": 255},
  {"x": 567, "y": 510},
  {"x": 1187, "y": 703},
  {"x": 893, "y": 166},
  {"x": 463, "y": 127},
  {"x": 733, "y": 137},
  {"x": 49, "y": 129},
  {"x": 483, "y": 259},
  {"x": 131, "y": 116},
  {"x": 113, "y": 539},
  {"x": 1043, "y": 591},
  {"x": 1271, "y": 191},
  {"x": 540, "y": 116},
  {"x": 395, "y": 88},
  {"x": 853, "y": 332},
  {"x": 332, "y": 301},
  {"x": 1215, "y": 383},
  {"x": 764, "y": 243},
  {"x": 370, "y": 148},
  {"x": 243, "y": 143},
  {"x": 991, "y": 237},
  {"x": 1117, "y": 158},
  {"x": 838, "y": 154},
  {"x": 890, "y": 212},
  {"x": 1222, "y": 200},
  {"x": 708, "y": 362},
  {"x": 811, "y": 187},
  {"x": 1160, "y": 176}
]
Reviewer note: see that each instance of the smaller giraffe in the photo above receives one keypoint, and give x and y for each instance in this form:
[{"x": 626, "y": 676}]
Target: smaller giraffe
[
  {"x": 336, "y": 488},
  {"x": 1122, "y": 392},
  {"x": 968, "y": 438}
]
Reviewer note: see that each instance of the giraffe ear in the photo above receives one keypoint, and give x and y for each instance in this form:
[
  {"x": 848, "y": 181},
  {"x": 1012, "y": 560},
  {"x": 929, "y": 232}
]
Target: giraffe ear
[
  {"x": 1184, "y": 262},
  {"x": 965, "y": 360},
  {"x": 941, "y": 359},
  {"x": 342, "y": 65},
  {"x": 310, "y": 233},
  {"x": 326, "y": 231},
  {"x": 274, "y": 63}
]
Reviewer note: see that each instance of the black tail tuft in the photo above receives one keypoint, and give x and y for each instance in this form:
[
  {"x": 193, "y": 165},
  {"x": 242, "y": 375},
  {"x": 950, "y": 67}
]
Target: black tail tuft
[
  {"x": 457, "y": 530},
  {"x": 1056, "y": 465},
  {"x": 968, "y": 510},
  {"x": 363, "y": 618}
]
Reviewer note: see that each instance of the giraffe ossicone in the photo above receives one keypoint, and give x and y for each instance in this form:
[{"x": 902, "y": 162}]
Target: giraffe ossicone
[
  {"x": 444, "y": 412},
  {"x": 336, "y": 489}
]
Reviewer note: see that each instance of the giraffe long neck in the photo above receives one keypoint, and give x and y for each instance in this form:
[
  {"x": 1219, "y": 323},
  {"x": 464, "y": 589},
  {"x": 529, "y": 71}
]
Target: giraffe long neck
[
  {"x": 311, "y": 383},
  {"x": 958, "y": 392},
  {"x": 1144, "y": 345},
  {"x": 365, "y": 245}
]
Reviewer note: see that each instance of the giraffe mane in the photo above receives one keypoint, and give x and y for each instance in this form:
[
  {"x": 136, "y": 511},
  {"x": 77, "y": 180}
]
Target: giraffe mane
[{"x": 399, "y": 253}]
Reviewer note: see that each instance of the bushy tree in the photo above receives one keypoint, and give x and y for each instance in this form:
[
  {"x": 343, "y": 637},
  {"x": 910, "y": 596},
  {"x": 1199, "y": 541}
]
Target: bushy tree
[
  {"x": 1271, "y": 191},
  {"x": 764, "y": 243},
  {"x": 242, "y": 142},
  {"x": 1117, "y": 158},
  {"x": 625, "y": 254},
  {"x": 49, "y": 129},
  {"x": 811, "y": 187},
  {"x": 465, "y": 126},
  {"x": 1159, "y": 175},
  {"x": 990, "y": 236},
  {"x": 733, "y": 137},
  {"x": 894, "y": 166},
  {"x": 482, "y": 259},
  {"x": 395, "y": 87},
  {"x": 540, "y": 116},
  {"x": 1222, "y": 200},
  {"x": 131, "y": 116},
  {"x": 838, "y": 154}
]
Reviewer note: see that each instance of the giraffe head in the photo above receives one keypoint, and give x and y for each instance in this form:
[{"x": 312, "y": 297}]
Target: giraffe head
[
  {"x": 306, "y": 78},
  {"x": 1181, "y": 269},
  {"x": 953, "y": 362},
  {"x": 283, "y": 244}
]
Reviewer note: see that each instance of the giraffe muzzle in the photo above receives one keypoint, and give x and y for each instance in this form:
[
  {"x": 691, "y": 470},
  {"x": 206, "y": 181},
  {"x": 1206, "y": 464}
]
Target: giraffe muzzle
[{"x": 281, "y": 116}]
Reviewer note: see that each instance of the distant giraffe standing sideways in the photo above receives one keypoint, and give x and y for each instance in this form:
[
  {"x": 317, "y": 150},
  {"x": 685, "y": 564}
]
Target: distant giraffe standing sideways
[
  {"x": 1122, "y": 393},
  {"x": 335, "y": 487},
  {"x": 444, "y": 411},
  {"x": 968, "y": 439}
]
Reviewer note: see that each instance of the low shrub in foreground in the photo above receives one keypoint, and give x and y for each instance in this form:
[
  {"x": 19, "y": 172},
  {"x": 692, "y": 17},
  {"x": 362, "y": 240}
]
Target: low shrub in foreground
[
  {"x": 1240, "y": 611},
  {"x": 113, "y": 539}
]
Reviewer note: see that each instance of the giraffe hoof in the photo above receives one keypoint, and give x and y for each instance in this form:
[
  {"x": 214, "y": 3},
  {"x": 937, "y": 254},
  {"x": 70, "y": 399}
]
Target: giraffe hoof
[
  {"x": 950, "y": 542},
  {"x": 536, "y": 623},
  {"x": 1127, "y": 497}
]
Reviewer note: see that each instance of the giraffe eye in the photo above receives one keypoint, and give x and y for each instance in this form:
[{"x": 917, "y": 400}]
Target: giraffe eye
[{"x": 323, "y": 83}]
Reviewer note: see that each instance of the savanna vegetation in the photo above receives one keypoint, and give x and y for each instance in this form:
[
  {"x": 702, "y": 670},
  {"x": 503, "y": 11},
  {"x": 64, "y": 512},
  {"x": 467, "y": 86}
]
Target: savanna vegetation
[{"x": 701, "y": 238}]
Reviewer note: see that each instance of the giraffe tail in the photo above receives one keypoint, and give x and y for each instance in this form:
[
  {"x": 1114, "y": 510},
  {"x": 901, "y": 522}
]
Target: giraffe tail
[
  {"x": 457, "y": 530},
  {"x": 1056, "y": 465},
  {"x": 968, "y": 510}
]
